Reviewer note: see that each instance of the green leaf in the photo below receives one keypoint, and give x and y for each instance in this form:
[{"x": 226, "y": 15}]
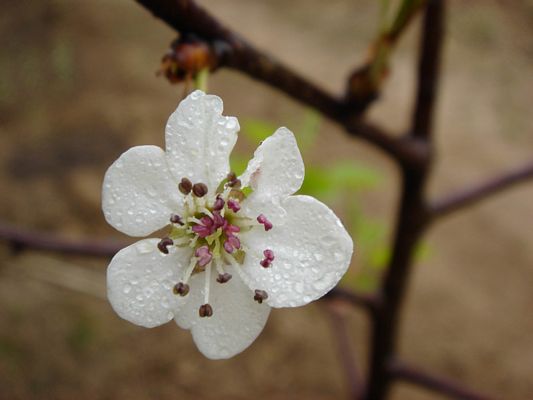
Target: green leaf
[
  {"x": 257, "y": 130},
  {"x": 238, "y": 164},
  {"x": 308, "y": 129},
  {"x": 353, "y": 176},
  {"x": 317, "y": 183}
]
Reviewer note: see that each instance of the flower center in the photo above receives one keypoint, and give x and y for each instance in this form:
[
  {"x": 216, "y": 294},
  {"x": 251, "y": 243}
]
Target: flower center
[{"x": 210, "y": 226}]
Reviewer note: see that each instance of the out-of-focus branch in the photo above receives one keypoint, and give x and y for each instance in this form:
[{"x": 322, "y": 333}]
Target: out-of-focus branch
[
  {"x": 428, "y": 68},
  {"x": 344, "y": 346},
  {"x": 412, "y": 216},
  {"x": 445, "y": 386},
  {"x": 366, "y": 81},
  {"x": 367, "y": 301},
  {"x": 21, "y": 239},
  {"x": 471, "y": 195}
]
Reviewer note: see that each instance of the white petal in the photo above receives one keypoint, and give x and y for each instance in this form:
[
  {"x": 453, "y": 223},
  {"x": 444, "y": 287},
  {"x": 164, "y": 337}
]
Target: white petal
[
  {"x": 139, "y": 194},
  {"x": 199, "y": 140},
  {"x": 277, "y": 168},
  {"x": 312, "y": 252},
  {"x": 140, "y": 280},
  {"x": 236, "y": 322}
]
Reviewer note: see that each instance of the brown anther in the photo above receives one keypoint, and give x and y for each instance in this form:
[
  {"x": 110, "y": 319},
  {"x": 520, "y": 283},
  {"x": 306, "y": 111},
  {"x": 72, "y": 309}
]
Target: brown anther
[
  {"x": 205, "y": 310},
  {"x": 199, "y": 189},
  {"x": 233, "y": 181},
  {"x": 181, "y": 288},
  {"x": 163, "y": 245},
  {"x": 185, "y": 186},
  {"x": 223, "y": 278},
  {"x": 260, "y": 295},
  {"x": 176, "y": 219}
]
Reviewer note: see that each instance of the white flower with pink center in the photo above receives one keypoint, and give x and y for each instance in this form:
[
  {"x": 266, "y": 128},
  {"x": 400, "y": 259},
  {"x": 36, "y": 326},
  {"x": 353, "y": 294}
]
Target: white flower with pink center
[{"x": 235, "y": 247}]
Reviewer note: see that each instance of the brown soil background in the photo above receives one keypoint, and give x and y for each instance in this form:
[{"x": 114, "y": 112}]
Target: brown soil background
[{"x": 77, "y": 88}]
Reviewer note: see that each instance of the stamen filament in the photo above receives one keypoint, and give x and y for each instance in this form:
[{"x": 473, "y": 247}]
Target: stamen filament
[
  {"x": 218, "y": 266},
  {"x": 236, "y": 267},
  {"x": 206, "y": 211},
  {"x": 207, "y": 283},
  {"x": 195, "y": 220},
  {"x": 189, "y": 270}
]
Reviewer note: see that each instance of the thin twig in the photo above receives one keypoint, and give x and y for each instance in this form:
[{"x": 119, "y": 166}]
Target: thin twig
[
  {"x": 366, "y": 81},
  {"x": 409, "y": 373},
  {"x": 346, "y": 353},
  {"x": 21, "y": 239},
  {"x": 472, "y": 195}
]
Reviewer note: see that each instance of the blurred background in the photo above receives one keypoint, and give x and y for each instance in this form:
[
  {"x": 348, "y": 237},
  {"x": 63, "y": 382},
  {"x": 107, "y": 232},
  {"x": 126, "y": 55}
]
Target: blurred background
[{"x": 78, "y": 87}]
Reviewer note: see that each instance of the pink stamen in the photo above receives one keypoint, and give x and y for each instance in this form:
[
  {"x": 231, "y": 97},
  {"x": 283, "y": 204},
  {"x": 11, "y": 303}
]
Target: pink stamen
[
  {"x": 204, "y": 256},
  {"x": 231, "y": 229},
  {"x": 265, "y": 263},
  {"x": 202, "y": 231},
  {"x": 206, "y": 228},
  {"x": 269, "y": 254},
  {"x": 219, "y": 204},
  {"x": 266, "y": 223},
  {"x": 219, "y": 221},
  {"x": 269, "y": 257},
  {"x": 234, "y": 205},
  {"x": 232, "y": 243},
  {"x": 207, "y": 221}
]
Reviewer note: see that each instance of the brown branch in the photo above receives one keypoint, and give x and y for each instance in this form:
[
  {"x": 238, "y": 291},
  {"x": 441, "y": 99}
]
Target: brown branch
[
  {"x": 21, "y": 239},
  {"x": 412, "y": 216},
  {"x": 472, "y": 195},
  {"x": 428, "y": 69},
  {"x": 232, "y": 51},
  {"x": 366, "y": 301},
  {"x": 365, "y": 82},
  {"x": 185, "y": 16},
  {"x": 441, "y": 385}
]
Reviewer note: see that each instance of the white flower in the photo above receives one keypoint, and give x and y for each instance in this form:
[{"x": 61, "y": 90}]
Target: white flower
[{"x": 228, "y": 257}]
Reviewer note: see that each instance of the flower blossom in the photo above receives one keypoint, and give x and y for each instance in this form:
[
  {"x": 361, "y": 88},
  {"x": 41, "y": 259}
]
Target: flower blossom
[{"x": 234, "y": 247}]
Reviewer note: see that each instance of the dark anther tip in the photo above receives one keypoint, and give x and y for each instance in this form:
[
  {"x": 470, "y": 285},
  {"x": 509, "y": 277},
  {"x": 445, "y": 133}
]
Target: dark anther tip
[
  {"x": 185, "y": 186},
  {"x": 163, "y": 245},
  {"x": 205, "y": 310},
  {"x": 223, "y": 278},
  {"x": 260, "y": 295},
  {"x": 181, "y": 288},
  {"x": 199, "y": 189},
  {"x": 176, "y": 219}
]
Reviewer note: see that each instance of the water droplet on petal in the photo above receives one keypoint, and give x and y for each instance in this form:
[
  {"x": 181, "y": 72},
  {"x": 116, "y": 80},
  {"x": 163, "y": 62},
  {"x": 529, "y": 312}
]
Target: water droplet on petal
[{"x": 144, "y": 247}]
